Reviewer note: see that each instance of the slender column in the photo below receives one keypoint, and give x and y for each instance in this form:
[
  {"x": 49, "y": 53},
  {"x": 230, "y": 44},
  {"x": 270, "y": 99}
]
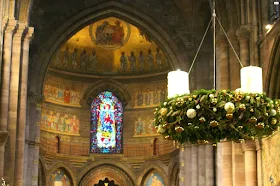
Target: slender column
[
  {"x": 182, "y": 166},
  {"x": 188, "y": 164},
  {"x": 13, "y": 103},
  {"x": 250, "y": 155},
  {"x": 238, "y": 168},
  {"x": 234, "y": 66},
  {"x": 5, "y": 85},
  {"x": 243, "y": 37},
  {"x": 242, "y": 10},
  {"x": 224, "y": 163},
  {"x": 259, "y": 162},
  {"x": 222, "y": 63},
  {"x": 23, "y": 109},
  {"x": 209, "y": 163},
  {"x": 201, "y": 165},
  {"x": 194, "y": 156}
]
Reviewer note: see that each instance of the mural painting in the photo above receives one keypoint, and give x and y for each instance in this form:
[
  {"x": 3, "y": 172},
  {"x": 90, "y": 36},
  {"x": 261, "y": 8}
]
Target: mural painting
[
  {"x": 144, "y": 127},
  {"x": 150, "y": 97},
  {"x": 110, "y": 46},
  {"x": 154, "y": 179},
  {"x": 59, "y": 178},
  {"x": 60, "y": 122},
  {"x": 271, "y": 161},
  {"x": 62, "y": 94}
]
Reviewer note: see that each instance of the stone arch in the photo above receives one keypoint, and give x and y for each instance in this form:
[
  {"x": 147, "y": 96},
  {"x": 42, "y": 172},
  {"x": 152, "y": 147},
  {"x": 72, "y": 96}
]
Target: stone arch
[
  {"x": 110, "y": 85},
  {"x": 273, "y": 75},
  {"x": 43, "y": 171},
  {"x": 66, "y": 168},
  {"x": 174, "y": 173},
  {"x": 92, "y": 14},
  {"x": 112, "y": 170},
  {"x": 148, "y": 168}
]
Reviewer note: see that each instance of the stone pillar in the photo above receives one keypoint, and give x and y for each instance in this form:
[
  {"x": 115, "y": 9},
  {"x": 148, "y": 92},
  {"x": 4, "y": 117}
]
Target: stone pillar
[
  {"x": 259, "y": 162},
  {"x": 5, "y": 85},
  {"x": 201, "y": 165},
  {"x": 209, "y": 165},
  {"x": 250, "y": 158},
  {"x": 22, "y": 109},
  {"x": 238, "y": 167},
  {"x": 224, "y": 163},
  {"x": 13, "y": 103},
  {"x": 3, "y": 140},
  {"x": 243, "y": 37},
  {"x": 182, "y": 166},
  {"x": 234, "y": 65},
  {"x": 194, "y": 167},
  {"x": 222, "y": 77},
  {"x": 188, "y": 164}
]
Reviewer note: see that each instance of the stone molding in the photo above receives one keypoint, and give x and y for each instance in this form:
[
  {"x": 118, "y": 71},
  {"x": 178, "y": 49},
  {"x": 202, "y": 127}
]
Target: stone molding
[{"x": 248, "y": 145}]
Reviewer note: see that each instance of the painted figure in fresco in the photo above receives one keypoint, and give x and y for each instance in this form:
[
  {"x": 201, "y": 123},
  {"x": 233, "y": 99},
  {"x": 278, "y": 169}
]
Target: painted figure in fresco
[
  {"x": 141, "y": 61},
  {"x": 139, "y": 129},
  {"x": 147, "y": 97},
  {"x": 150, "y": 59},
  {"x": 118, "y": 34},
  {"x": 132, "y": 60},
  {"x": 83, "y": 60},
  {"x": 92, "y": 61},
  {"x": 60, "y": 179},
  {"x": 66, "y": 58},
  {"x": 67, "y": 95},
  {"x": 75, "y": 124},
  {"x": 155, "y": 97},
  {"x": 57, "y": 60},
  {"x": 162, "y": 95},
  {"x": 123, "y": 61},
  {"x": 56, "y": 121},
  {"x": 156, "y": 182},
  {"x": 139, "y": 98},
  {"x": 75, "y": 59},
  {"x": 159, "y": 58},
  {"x": 51, "y": 120}
]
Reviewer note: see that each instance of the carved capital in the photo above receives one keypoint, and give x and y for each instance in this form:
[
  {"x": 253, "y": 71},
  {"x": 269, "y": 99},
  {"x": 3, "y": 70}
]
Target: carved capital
[
  {"x": 11, "y": 26},
  {"x": 258, "y": 144},
  {"x": 248, "y": 145},
  {"x": 3, "y": 137},
  {"x": 29, "y": 34},
  {"x": 21, "y": 31}
]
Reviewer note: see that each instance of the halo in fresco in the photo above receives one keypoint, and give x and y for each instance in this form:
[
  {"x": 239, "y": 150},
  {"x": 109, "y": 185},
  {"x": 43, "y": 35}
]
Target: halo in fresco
[{"x": 112, "y": 33}]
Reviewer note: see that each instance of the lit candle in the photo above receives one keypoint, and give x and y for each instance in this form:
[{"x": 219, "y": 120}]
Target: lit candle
[
  {"x": 178, "y": 83},
  {"x": 251, "y": 79}
]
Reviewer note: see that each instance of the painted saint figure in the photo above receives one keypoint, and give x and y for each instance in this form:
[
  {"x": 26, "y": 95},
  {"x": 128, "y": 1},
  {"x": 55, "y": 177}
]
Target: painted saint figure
[
  {"x": 150, "y": 59},
  {"x": 92, "y": 61},
  {"x": 83, "y": 61},
  {"x": 75, "y": 59},
  {"x": 123, "y": 61},
  {"x": 66, "y": 58},
  {"x": 159, "y": 58},
  {"x": 132, "y": 60},
  {"x": 141, "y": 61}
]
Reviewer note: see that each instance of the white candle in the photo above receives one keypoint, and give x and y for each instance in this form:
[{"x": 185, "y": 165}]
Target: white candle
[
  {"x": 178, "y": 83},
  {"x": 251, "y": 79}
]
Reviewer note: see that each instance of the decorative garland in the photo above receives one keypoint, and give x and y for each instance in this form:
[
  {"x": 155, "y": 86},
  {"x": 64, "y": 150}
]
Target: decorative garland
[{"x": 210, "y": 116}]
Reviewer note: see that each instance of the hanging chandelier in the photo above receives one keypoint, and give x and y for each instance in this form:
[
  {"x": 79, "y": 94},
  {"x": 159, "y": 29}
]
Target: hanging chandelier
[{"x": 210, "y": 115}]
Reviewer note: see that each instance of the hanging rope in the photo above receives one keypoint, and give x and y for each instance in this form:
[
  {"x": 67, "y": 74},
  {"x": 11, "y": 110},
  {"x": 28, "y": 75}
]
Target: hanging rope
[
  {"x": 230, "y": 42},
  {"x": 200, "y": 45}
]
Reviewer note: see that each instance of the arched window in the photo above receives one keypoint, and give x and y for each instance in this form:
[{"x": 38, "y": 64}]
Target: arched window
[
  {"x": 106, "y": 124},
  {"x": 57, "y": 145},
  {"x": 156, "y": 147}
]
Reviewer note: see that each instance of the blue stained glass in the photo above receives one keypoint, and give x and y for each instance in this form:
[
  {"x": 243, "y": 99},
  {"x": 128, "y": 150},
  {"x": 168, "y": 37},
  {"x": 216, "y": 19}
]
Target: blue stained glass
[{"x": 106, "y": 124}]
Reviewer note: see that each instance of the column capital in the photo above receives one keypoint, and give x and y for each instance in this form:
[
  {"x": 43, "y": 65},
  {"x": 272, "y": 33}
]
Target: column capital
[
  {"x": 258, "y": 144},
  {"x": 11, "y": 26},
  {"x": 248, "y": 145},
  {"x": 3, "y": 137},
  {"x": 243, "y": 33},
  {"x": 29, "y": 34}
]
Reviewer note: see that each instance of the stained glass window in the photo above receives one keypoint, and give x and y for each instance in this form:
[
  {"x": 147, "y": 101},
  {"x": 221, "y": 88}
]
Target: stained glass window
[{"x": 106, "y": 124}]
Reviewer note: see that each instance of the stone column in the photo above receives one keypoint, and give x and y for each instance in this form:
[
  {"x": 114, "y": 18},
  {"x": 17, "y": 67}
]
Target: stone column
[
  {"x": 13, "y": 103},
  {"x": 209, "y": 165},
  {"x": 224, "y": 163},
  {"x": 5, "y": 84},
  {"x": 250, "y": 158},
  {"x": 259, "y": 162},
  {"x": 243, "y": 37},
  {"x": 238, "y": 166},
  {"x": 182, "y": 166},
  {"x": 188, "y": 164},
  {"x": 22, "y": 109},
  {"x": 194, "y": 163},
  {"x": 234, "y": 65},
  {"x": 222, "y": 77},
  {"x": 201, "y": 165}
]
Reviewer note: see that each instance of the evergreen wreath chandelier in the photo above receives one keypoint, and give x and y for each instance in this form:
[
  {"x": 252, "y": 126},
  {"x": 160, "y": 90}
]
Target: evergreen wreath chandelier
[{"x": 210, "y": 115}]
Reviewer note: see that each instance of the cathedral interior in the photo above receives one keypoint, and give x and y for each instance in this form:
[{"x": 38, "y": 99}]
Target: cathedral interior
[{"x": 80, "y": 81}]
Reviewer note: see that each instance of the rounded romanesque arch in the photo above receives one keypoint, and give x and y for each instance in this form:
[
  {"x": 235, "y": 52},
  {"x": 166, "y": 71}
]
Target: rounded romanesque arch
[
  {"x": 87, "y": 16},
  {"x": 111, "y": 172},
  {"x": 63, "y": 166}
]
